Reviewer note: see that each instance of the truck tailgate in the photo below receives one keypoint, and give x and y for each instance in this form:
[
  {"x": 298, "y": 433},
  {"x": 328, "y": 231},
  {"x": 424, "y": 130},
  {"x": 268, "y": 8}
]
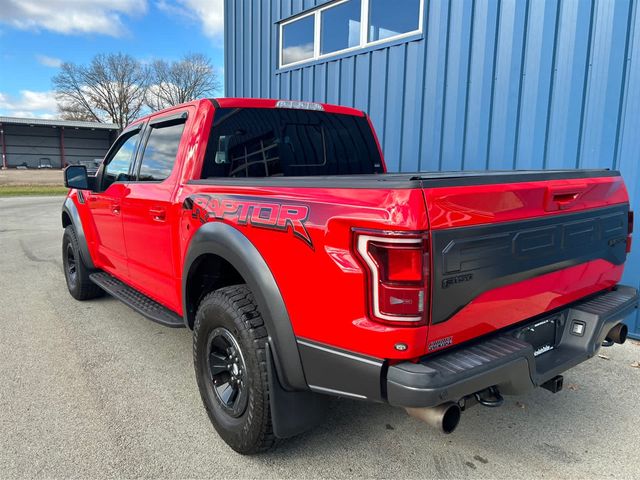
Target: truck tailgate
[{"x": 508, "y": 246}]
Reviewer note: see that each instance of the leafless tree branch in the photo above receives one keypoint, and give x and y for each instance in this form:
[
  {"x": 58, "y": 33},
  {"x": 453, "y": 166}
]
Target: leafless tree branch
[
  {"x": 112, "y": 88},
  {"x": 118, "y": 88},
  {"x": 172, "y": 83}
]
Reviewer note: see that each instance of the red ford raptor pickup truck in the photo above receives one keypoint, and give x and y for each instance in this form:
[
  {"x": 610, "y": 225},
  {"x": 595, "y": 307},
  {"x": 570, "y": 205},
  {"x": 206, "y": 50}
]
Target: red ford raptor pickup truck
[{"x": 272, "y": 230}]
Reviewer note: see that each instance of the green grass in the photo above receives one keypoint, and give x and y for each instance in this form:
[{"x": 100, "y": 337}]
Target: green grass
[{"x": 23, "y": 190}]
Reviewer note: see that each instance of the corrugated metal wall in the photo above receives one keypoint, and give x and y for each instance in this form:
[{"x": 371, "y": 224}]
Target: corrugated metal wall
[
  {"x": 494, "y": 84},
  {"x": 28, "y": 145}
]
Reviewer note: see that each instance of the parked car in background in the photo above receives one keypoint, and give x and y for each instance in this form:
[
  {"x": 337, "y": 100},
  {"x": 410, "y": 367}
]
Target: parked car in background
[{"x": 44, "y": 163}]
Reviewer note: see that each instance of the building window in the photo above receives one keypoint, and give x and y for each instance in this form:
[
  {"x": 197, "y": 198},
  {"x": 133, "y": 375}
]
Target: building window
[
  {"x": 387, "y": 20},
  {"x": 297, "y": 40},
  {"x": 346, "y": 25},
  {"x": 340, "y": 27}
]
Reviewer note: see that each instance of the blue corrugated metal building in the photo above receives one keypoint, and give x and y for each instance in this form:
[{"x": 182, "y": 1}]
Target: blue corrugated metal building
[{"x": 458, "y": 84}]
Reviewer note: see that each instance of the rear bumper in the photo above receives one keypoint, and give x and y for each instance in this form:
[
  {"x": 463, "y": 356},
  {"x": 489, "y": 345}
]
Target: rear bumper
[{"x": 506, "y": 360}]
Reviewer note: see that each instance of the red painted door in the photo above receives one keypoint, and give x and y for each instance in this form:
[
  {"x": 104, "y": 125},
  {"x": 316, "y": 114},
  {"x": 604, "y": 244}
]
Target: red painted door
[
  {"x": 106, "y": 205},
  {"x": 149, "y": 217},
  {"x": 106, "y": 212}
]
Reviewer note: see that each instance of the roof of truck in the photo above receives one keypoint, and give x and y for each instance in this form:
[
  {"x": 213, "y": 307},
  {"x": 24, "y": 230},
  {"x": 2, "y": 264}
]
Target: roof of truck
[
  {"x": 229, "y": 102},
  {"x": 282, "y": 103}
]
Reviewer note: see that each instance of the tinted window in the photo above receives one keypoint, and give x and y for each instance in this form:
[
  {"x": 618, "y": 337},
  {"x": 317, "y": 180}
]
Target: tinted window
[
  {"x": 340, "y": 27},
  {"x": 297, "y": 40},
  {"x": 282, "y": 142},
  {"x": 388, "y": 19},
  {"x": 160, "y": 152},
  {"x": 117, "y": 168}
]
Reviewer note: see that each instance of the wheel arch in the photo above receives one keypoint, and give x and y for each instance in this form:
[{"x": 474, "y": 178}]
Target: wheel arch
[
  {"x": 219, "y": 242},
  {"x": 70, "y": 216}
]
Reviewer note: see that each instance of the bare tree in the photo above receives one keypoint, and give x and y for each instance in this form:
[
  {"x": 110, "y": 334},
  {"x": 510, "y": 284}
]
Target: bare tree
[
  {"x": 69, "y": 111},
  {"x": 111, "y": 88},
  {"x": 191, "y": 77}
]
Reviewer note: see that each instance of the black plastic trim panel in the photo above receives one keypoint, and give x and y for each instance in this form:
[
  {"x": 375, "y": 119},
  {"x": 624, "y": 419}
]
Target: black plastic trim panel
[
  {"x": 72, "y": 211},
  {"x": 335, "y": 181},
  {"x": 410, "y": 180},
  {"x": 338, "y": 372},
  {"x": 470, "y": 178},
  {"x": 172, "y": 119},
  {"x": 469, "y": 261}
]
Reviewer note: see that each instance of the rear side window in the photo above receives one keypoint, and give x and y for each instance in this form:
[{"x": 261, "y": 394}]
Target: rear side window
[
  {"x": 254, "y": 142},
  {"x": 160, "y": 152}
]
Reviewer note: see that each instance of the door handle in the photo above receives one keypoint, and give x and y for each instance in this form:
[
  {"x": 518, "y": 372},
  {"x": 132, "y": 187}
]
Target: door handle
[
  {"x": 115, "y": 209},
  {"x": 158, "y": 214}
]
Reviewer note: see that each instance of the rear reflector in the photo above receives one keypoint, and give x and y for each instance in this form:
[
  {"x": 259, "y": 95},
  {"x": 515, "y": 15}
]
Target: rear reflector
[
  {"x": 397, "y": 271},
  {"x": 401, "y": 301}
]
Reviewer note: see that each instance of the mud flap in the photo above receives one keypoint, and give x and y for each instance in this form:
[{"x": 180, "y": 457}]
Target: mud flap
[{"x": 292, "y": 413}]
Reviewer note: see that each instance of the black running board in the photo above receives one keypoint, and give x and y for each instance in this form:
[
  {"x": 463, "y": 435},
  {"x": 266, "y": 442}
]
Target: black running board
[{"x": 136, "y": 300}]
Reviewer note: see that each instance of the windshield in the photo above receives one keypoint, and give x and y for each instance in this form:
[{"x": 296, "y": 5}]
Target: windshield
[{"x": 258, "y": 142}]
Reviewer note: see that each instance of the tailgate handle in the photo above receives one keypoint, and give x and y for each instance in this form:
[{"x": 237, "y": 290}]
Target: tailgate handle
[
  {"x": 565, "y": 197},
  {"x": 559, "y": 198}
]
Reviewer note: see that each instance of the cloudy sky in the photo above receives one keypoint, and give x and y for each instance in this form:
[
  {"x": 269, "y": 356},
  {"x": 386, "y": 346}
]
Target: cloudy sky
[{"x": 36, "y": 36}]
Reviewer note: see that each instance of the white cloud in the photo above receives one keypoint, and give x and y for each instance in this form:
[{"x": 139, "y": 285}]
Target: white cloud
[
  {"x": 71, "y": 16},
  {"x": 49, "y": 61},
  {"x": 209, "y": 13},
  {"x": 29, "y": 104},
  {"x": 297, "y": 53}
]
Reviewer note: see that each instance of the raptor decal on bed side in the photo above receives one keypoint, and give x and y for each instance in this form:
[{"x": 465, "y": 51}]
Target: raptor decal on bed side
[{"x": 251, "y": 211}]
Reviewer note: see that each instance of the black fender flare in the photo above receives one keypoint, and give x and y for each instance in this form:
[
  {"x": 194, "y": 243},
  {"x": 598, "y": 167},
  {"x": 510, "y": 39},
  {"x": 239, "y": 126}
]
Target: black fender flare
[
  {"x": 72, "y": 212},
  {"x": 230, "y": 244}
]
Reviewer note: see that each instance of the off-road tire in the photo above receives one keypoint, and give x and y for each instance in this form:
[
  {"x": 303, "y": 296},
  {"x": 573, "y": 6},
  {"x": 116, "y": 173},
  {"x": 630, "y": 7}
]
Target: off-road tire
[
  {"x": 76, "y": 273},
  {"x": 233, "y": 310}
]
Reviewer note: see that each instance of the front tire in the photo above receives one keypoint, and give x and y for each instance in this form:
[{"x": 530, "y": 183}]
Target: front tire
[
  {"x": 229, "y": 341},
  {"x": 76, "y": 273}
]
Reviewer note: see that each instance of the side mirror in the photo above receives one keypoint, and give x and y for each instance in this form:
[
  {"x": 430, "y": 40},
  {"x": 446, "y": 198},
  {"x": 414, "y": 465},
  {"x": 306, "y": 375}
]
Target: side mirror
[
  {"x": 75, "y": 176},
  {"x": 223, "y": 147}
]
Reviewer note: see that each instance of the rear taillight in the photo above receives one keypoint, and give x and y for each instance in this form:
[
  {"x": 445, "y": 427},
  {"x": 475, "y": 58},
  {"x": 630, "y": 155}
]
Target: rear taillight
[
  {"x": 629, "y": 231},
  {"x": 397, "y": 271}
]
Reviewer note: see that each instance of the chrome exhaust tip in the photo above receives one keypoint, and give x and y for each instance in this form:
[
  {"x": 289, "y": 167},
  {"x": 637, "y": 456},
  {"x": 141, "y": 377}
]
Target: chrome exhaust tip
[
  {"x": 444, "y": 417},
  {"x": 618, "y": 334}
]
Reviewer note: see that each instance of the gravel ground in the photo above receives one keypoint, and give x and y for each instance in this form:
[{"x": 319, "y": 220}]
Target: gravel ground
[
  {"x": 94, "y": 390},
  {"x": 43, "y": 176}
]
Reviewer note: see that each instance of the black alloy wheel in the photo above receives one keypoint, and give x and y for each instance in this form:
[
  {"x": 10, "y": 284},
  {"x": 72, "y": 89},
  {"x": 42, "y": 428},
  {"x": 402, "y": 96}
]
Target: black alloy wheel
[
  {"x": 227, "y": 370},
  {"x": 72, "y": 266}
]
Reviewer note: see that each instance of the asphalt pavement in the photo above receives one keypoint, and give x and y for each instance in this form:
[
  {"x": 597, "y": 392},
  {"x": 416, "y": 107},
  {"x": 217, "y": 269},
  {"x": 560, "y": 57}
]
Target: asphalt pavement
[{"x": 94, "y": 390}]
